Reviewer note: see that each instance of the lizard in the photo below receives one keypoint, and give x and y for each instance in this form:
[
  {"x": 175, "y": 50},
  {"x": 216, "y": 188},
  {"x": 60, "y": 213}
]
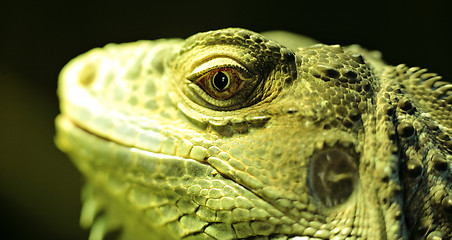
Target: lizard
[{"x": 232, "y": 134}]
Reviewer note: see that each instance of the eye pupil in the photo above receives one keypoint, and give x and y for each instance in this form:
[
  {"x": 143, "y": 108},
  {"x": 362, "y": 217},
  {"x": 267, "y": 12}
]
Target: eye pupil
[{"x": 220, "y": 81}]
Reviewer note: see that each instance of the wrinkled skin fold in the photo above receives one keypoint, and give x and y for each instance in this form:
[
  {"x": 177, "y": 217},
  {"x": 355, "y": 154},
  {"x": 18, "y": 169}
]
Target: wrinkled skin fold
[{"x": 231, "y": 134}]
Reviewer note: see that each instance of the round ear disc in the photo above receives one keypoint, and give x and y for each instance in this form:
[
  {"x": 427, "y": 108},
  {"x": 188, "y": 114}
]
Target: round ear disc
[{"x": 333, "y": 176}]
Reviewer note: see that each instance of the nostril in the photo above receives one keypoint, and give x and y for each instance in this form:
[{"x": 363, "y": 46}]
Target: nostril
[
  {"x": 333, "y": 176},
  {"x": 88, "y": 73}
]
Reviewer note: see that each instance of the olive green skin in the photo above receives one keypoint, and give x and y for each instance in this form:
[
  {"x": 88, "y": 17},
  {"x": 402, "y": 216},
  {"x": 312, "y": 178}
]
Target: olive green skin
[{"x": 314, "y": 141}]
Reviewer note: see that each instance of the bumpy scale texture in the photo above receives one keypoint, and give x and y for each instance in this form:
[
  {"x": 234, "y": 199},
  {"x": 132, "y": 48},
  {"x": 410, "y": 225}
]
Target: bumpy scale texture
[{"x": 231, "y": 135}]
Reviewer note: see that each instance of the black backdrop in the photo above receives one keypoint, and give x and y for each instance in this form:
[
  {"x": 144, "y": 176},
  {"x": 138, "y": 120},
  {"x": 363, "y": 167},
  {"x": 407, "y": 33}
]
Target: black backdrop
[{"x": 39, "y": 187}]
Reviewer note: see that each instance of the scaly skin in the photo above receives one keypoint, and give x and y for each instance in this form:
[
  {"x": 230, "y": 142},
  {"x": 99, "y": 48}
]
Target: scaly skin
[{"x": 228, "y": 135}]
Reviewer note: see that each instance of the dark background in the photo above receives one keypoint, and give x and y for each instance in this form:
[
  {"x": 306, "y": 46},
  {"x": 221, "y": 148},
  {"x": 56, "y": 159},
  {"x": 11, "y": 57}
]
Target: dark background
[{"x": 39, "y": 187}]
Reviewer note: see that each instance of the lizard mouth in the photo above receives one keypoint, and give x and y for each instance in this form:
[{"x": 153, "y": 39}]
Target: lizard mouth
[
  {"x": 87, "y": 131},
  {"x": 68, "y": 123}
]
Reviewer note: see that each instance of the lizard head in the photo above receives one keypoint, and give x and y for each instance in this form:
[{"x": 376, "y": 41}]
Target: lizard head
[{"x": 229, "y": 134}]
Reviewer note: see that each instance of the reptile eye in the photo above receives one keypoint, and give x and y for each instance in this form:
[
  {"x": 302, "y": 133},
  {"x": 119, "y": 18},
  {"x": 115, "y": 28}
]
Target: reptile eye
[
  {"x": 220, "y": 83},
  {"x": 333, "y": 176}
]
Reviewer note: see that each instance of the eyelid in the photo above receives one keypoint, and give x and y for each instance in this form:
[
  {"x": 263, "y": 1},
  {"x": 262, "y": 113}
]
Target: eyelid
[{"x": 216, "y": 63}]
